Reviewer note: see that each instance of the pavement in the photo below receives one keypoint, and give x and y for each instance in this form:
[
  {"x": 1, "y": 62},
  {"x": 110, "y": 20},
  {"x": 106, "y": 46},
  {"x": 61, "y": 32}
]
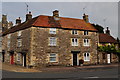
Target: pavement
[{"x": 17, "y": 68}]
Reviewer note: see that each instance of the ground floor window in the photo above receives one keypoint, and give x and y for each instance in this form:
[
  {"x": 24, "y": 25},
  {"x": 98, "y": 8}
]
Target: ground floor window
[
  {"x": 18, "y": 56},
  {"x": 86, "y": 56},
  {"x": 53, "y": 57}
]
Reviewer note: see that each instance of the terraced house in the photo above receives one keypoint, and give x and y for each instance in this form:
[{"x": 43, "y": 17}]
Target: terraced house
[{"x": 50, "y": 40}]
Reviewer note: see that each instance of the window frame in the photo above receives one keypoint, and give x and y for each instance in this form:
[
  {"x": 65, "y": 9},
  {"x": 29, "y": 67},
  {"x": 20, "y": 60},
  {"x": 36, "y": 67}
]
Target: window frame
[
  {"x": 19, "y": 42},
  {"x": 86, "y": 42},
  {"x": 8, "y": 43},
  {"x": 74, "y": 32},
  {"x": 52, "y": 31},
  {"x": 18, "y": 56},
  {"x": 52, "y": 42},
  {"x": 19, "y": 33},
  {"x": 74, "y": 41},
  {"x": 9, "y": 36},
  {"x": 86, "y": 33},
  {"x": 52, "y": 57},
  {"x": 86, "y": 58}
]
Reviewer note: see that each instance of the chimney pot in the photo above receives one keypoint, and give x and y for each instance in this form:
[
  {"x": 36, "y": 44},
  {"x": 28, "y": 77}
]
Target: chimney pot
[
  {"x": 18, "y": 21},
  {"x": 108, "y": 31},
  {"x": 85, "y": 18},
  {"x": 28, "y": 16},
  {"x": 56, "y": 14}
]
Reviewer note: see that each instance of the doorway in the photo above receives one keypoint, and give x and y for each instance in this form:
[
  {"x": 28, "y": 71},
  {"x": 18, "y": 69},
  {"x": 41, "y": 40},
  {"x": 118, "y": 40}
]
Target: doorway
[
  {"x": 12, "y": 59},
  {"x": 24, "y": 60},
  {"x": 3, "y": 55},
  {"x": 74, "y": 59},
  {"x": 108, "y": 58}
]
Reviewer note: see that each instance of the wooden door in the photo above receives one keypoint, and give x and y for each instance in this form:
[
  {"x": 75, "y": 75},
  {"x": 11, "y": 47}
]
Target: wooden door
[
  {"x": 74, "y": 59},
  {"x": 12, "y": 59}
]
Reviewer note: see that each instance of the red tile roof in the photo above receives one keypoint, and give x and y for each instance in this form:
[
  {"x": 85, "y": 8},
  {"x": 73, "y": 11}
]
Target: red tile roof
[
  {"x": 105, "y": 38},
  {"x": 48, "y": 21}
]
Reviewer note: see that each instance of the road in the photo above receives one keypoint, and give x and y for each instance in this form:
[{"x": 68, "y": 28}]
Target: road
[{"x": 74, "y": 75}]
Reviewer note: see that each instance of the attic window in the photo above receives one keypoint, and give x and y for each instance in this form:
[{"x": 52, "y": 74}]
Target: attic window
[
  {"x": 52, "y": 31},
  {"x": 85, "y": 32},
  {"x": 74, "y": 32},
  {"x": 19, "y": 33}
]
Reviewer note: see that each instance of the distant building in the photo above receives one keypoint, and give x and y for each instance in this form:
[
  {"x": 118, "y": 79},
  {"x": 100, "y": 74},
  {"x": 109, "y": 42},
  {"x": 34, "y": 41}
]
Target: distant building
[
  {"x": 4, "y": 26},
  {"x": 107, "y": 39}
]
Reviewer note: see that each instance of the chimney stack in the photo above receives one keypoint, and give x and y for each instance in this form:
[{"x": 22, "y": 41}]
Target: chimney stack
[
  {"x": 56, "y": 14},
  {"x": 108, "y": 31},
  {"x": 28, "y": 16},
  {"x": 85, "y": 17},
  {"x": 18, "y": 21},
  {"x": 4, "y": 19}
]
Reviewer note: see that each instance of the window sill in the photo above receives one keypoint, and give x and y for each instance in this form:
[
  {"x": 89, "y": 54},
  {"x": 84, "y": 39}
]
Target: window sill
[
  {"x": 86, "y": 45},
  {"x": 53, "y": 61},
  {"x": 86, "y": 60},
  {"x": 75, "y": 46}
]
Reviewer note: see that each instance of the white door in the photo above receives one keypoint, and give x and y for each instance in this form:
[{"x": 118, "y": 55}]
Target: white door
[
  {"x": 23, "y": 60},
  {"x": 108, "y": 58}
]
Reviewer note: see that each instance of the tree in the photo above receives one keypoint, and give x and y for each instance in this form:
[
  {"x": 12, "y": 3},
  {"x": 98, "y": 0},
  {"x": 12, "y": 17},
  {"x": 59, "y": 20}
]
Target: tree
[
  {"x": 99, "y": 28},
  {"x": 107, "y": 48}
]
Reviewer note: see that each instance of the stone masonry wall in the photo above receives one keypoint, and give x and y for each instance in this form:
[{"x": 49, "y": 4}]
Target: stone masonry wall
[{"x": 41, "y": 49}]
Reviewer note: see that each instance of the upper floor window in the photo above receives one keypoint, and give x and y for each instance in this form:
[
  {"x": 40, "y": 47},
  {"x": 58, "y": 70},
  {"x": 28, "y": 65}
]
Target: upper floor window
[
  {"x": 9, "y": 35},
  {"x": 52, "y": 41},
  {"x": 85, "y": 32},
  {"x": 19, "y": 33},
  {"x": 19, "y": 42},
  {"x": 52, "y": 31},
  {"x": 53, "y": 57},
  {"x": 74, "y": 32},
  {"x": 74, "y": 42},
  {"x": 8, "y": 43},
  {"x": 86, "y": 42},
  {"x": 86, "y": 56},
  {"x": 18, "y": 56}
]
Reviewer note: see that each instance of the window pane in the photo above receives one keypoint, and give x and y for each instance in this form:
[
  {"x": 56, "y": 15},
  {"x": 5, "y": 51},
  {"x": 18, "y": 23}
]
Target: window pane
[
  {"x": 52, "y": 59},
  {"x": 53, "y": 55},
  {"x": 52, "y": 31}
]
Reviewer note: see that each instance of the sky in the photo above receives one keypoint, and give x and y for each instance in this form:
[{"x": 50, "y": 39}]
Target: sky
[{"x": 102, "y": 13}]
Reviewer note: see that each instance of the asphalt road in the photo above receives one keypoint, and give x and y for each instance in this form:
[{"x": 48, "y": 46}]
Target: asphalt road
[{"x": 74, "y": 75}]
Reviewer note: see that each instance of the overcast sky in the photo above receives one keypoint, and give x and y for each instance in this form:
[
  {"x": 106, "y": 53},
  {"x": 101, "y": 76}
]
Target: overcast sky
[{"x": 97, "y": 11}]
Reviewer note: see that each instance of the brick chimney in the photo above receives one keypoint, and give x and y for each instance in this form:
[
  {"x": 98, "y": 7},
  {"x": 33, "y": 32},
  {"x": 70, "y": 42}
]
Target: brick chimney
[
  {"x": 4, "y": 19},
  {"x": 85, "y": 17},
  {"x": 18, "y": 21},
  {"x": 107, "y": 31},
  {"x": 28, "y": 16},
  {"x": 56, "y": 15}
]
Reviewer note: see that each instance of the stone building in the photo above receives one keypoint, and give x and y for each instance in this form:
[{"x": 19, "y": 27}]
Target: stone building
[
  {"x": 105, "y": 39},
  {"x": 51, "y": 40}
]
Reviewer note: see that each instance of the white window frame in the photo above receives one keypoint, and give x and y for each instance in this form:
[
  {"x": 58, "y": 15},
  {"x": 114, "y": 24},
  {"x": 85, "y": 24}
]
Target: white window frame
[
  {"x": 52, "y": 41},
  {"x": 86, "y": 33},
  {"x": 18, "y": 56},
  {"x": 75, "y": 32},
  {"x": 86, "y": 56},
  {"x": 86, "y": 42},
  {"x": 9, "y": 35},
  {"x": 52, "y": 57},
  {"x": 8, "y": 43},
  {"x": 19, "y": 42},
  {"x": 74, "y": 41},
  {"x": 52, "y": 30},
  {"x": 19, "y": 33}
]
